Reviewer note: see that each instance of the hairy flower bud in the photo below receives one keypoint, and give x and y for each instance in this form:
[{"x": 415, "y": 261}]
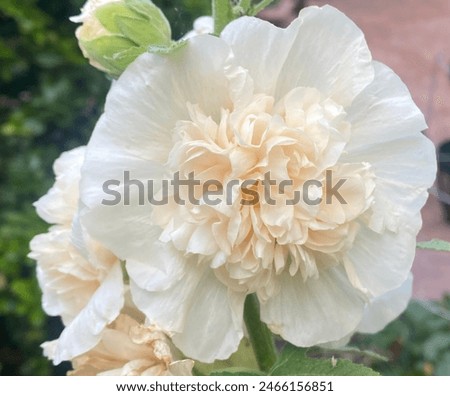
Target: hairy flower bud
[{"x": 114, "y": 32}]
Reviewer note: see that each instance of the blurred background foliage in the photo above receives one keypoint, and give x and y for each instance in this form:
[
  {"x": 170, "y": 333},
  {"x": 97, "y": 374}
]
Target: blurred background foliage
[
  {"x": 417, "y": 343},
  {"x": 50, "y": 99}
]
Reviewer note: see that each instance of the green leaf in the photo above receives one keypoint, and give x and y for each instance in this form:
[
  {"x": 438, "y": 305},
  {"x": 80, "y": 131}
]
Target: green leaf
[
  {"x": 353, "y": 351},
  {"x": 294, "y": 361},
  {"x": 243, "y": 357},
  {"x": 435, "y": 244},
  {"x": 443, "y": 366},
  {"x": 435, "y": 345},
  {"x": 237, "y": 371}
]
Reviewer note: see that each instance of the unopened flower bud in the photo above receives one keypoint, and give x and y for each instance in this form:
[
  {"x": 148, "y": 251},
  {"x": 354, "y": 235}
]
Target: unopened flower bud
[{"x": 114, "y": 32}]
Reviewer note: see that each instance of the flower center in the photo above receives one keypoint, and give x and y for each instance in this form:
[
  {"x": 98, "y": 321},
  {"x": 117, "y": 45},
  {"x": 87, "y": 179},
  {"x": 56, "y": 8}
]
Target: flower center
[{"x": 268, "y": 192}]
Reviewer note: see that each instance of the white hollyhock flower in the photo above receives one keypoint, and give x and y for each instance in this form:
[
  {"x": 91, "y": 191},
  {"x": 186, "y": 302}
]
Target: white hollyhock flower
[
  {"x": 301, "y": 103},
  {"x": 81, "y": 281},
  {"x": 127, "y": 347},
  {"x": 202, "y": 25}
]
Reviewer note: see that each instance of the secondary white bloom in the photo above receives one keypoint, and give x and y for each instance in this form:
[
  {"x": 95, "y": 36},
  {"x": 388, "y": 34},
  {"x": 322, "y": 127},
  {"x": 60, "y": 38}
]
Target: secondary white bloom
[
  {"x": 128, "y": 348},
  {"x": 202, "y": 25},
  {"x": 81, "y": 281},
  {"x": 301, "y": 103}
]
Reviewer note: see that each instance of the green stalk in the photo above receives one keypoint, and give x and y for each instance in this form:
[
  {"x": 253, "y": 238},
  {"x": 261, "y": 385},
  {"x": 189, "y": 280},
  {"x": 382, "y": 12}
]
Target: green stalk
[
  {"x": 260, "y": 6},
  {"x": 222, "y": 14},
  {"x": 259, "y": 335},
  {"x": 246, "y": 5}
]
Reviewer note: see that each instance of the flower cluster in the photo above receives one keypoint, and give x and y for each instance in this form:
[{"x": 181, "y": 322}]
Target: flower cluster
[
  {"x": 83, "y": 283},
  {"x": 299, "y": 104}
]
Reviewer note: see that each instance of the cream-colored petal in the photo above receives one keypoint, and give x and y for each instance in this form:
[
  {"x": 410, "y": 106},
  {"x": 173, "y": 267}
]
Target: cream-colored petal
[
  {"x": 213, "y": 328},
  {"x": 205, "y": 322},
  {"x": 386, "y": 132},
  {"x": 166, "y": 267},
  {"x": 167, "y": 305},
  {"x": 135, "y": 134},
  {"x": 315, "y": 311},
  {"x": 384, "y": 309},
  {"x": 382, "y": 262},
  {"x": 84, "y": 332},
  {"x": 60, "y": 202},
  {"x": 322, "y": 48},
  {"x": 181, "y": 367},
  {"x": 66, "y": 279}
]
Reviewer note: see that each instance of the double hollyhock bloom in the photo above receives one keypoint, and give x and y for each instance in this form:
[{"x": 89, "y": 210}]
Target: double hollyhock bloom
[{"x": 300, "y": 104}]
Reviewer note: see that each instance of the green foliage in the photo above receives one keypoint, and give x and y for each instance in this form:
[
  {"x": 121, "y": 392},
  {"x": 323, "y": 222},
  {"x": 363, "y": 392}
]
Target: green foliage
[
  {"x": 223, "y": 14},
  {"x": 435, "y": 244},
  {"x": 182, "y": 13},
  {"x": 242, "y": 360},
  {"x": 418, "y": 343},
  {"x": 295, "y": 361},
  {"x": 237, "y": 371}
]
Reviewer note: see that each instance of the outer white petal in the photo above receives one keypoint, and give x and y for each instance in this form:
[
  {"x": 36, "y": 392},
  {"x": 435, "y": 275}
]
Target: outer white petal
[
  {"x": 322, "y": 48},
  {"x": 316, "y": 311},
  {"x": 386, "y": 132},
  {"x": 206, "y": 322},
  {"x": 384, "y": 309},
  {"x": 213, "y": 328},
  {"x": 66, "y": 279},
  {"x": 135, "y": 134},
  {"x": 60, "y": 202},
  {"x": 379, "y": 312},
  {"x": 164, "y": 265},
  {"x": 84, "y": 332},
  {"x": 382, "y": 261}
]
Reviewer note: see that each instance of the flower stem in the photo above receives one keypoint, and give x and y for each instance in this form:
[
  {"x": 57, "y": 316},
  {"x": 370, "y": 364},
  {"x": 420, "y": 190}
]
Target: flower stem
[
  {"x": 246, "y": 5},
  {"x": 222, "y": 13},
  {"x": 260, "y": 6},
  {"x": 259, "y": 335}
]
